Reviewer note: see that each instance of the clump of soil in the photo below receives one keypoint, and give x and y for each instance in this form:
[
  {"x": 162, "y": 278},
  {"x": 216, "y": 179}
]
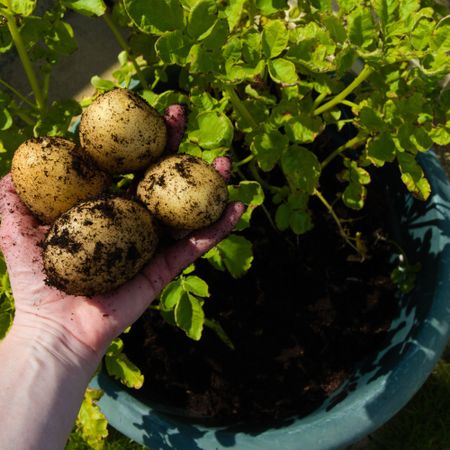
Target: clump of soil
[{"x": 300, "y": 320}]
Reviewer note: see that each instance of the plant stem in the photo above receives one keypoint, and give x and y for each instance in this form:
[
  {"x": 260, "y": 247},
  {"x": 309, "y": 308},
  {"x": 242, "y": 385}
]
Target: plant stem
[
  {"x": 330, "y": 209},
  {"x": 358, "y": 139},
  {"x": 319, "y": 99},
  {"x": 25, "y": 60},
  {"x": 17, "y": 93},
  {"x": 252, "y": 11},
  {"x": 124, "y": 45},
  {"x": 240, "y": 107},
  {"x": 349, "y": 103},
  {"x": 244, "y": 161},
  {"x": 363, "y": 75},
  {"x": 263, "y": 184},
  {"x": 25, "y": 117}
]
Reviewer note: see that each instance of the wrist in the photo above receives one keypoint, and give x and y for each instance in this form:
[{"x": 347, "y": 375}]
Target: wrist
[
  {"x": 52, "y": 342},
  {"x": 43, "y": 377}
]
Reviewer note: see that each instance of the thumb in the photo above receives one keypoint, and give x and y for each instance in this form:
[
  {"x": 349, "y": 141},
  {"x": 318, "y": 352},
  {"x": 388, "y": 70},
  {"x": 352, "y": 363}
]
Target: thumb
[{"x": 20, "y": 232}]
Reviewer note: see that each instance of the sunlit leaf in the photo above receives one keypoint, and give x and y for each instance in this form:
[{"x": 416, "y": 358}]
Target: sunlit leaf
[{"x": 91, "y": 423}]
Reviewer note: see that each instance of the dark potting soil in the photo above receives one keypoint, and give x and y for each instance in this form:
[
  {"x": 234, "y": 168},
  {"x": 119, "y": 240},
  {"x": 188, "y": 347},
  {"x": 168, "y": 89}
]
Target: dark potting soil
[{"x": 302, "y": 317}]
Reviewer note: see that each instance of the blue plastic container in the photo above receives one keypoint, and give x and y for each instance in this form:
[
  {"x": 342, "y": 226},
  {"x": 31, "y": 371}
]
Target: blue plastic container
[{"x": 382, "y": 385}]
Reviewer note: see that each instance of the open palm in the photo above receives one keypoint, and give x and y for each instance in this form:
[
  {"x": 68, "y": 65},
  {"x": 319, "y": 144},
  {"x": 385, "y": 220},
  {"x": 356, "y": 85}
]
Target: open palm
[{"x": 93, "y": 321}]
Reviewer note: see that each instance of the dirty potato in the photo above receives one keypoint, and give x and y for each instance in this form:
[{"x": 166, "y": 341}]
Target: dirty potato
[
  {"x": 98, "y": 245},
  {"x": 122, "y": 132},
  {"x": 52, "y": 174},
  {"x": 183, "y": 192}
]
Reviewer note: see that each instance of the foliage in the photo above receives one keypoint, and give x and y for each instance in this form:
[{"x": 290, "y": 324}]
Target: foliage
[
  {"x": 114, "y": 441},
  {"x": 264, "y": 82},
  {"x": 91, "y": 424},
  {"x": 120, "y": 367},
  {"x": 6, "y": 301}
]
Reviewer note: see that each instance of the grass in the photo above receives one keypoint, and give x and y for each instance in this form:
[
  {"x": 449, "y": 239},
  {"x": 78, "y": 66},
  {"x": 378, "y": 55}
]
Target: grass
[
  {"x": 114, "y": 441},
  {"x": 424, "y": 423}
]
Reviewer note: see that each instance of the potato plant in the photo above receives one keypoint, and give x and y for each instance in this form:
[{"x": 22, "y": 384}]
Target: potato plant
[{"x": 263, "y": 81}]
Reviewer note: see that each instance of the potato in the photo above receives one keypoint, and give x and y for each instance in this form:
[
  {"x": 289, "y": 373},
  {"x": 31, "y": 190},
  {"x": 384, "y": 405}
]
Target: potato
[
  {"x": 52, "y": 174},
  {"x": 122, "y": 132},
  {"x": 183, "y": 191},
  {"x": 98, "y": 245}
]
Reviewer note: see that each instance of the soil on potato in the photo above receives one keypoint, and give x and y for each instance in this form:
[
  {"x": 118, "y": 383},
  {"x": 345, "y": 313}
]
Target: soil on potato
[{"x": 301, "y": 319}]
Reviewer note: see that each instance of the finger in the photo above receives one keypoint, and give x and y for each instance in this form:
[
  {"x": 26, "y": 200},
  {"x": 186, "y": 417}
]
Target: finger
[
  {"x": 163, "y": 268},
  {"x": 175, "y": 117},
  {"x": 20, "y": 231},
  {"x": 223, "y": 165},
  {"x": 168, "y": 264}
]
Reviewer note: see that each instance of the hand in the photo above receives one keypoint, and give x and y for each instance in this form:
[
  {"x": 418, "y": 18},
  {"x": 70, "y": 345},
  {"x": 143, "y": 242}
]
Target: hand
[{"x": 92, "y": 321}]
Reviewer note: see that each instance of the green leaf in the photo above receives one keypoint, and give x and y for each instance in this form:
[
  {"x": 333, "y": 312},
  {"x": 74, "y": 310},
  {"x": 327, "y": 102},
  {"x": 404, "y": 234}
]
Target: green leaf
[
  {"x": 121, "y": 368},
  {"x": 361, "y": 29},
  {"x": 201, "y": 18},
  {"x": 268, "y": 146},
  {"x": 238, "y": 72},
  {"x": 22, "y": 7},
  {"x": 294, "y": 214},
  {"x": 282, "y": 71},
  {"x": 440, "y": 134},
  {"x": 189, "y": 269},
  {"x": 162, "y": 101},
  {"x": 155, "y": 16},
  {"x": 387, "y": 11},
  {"x": 58, "y": 118},
  {"x": 345, "y": 59},
  {"x": 421, "y": 140},
  {"x": 404, "y": 276},
  {"x": 173, "y": 47},
  {"x": 217, "y": 37},
  {"x": 195, "y": 285},
  {"x": 269, "y": 7},
  {"x": 440, "y": 40},
  {"x": 355, "y": 193},
  {"x": 6, "y": 301},
  {"x": 335, "y": 28},
  {"x": 251, "y": 48},
  {"x": 304, "y": 128},
  {"x": 171, "y": 295},
  {"x": 421, "y": 34},
  {"x": 370, "y": 119},
  {"x": 6, "y": 119},
  {"x": 313, "y": 48},
  {"x": 274, "y": 38},
  {"x": 189, "y": 316},
  {"x": 233, "y": 12},
  {"x": 413, "y": 176},
  {"x": 91, "y": 423},
  {"x": 215, "y": 259},
  {"x": 301, "y": 168},
  {"x": 234, "y": 253},
  {"x": 380, "y": 149},
  {"x": 60, "y": 38},
  {"x": 323, "y": 5},
  {"x": 213, "y": 129},
  {"x": 101, "y": 84},
  {"x": 86, "y": 7},
  {"x": 204, "y": 60},
  {"x": 408, "y": 9},
  {"x": 282, "y": 217},
  {"x": 5, "y": 40},
  {"x": 251, "y": 194}
]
